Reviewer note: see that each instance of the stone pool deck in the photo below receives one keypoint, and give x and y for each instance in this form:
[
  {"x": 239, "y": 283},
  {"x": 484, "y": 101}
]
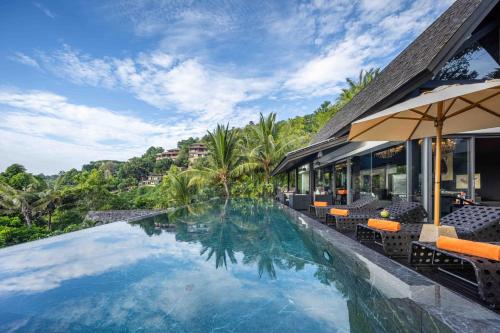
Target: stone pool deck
[
  {"x": 394, "y": 293},
  {"x": 109, "y": 216}
]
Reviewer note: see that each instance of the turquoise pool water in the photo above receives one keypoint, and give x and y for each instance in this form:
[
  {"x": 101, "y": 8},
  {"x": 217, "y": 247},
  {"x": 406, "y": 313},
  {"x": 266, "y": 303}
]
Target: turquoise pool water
[{"x": 241, "y": 267}]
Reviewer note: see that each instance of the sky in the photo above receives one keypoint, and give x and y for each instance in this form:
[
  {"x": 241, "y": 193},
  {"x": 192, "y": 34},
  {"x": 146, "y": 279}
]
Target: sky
[{"x": 87, "y": 80}]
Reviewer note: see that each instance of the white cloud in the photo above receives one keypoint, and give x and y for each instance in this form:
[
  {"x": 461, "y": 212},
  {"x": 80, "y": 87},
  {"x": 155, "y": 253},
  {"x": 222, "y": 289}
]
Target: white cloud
[
  {"x": 47, "y": 133},
  {"x": 44, "y": 10},
  {"x": 24, "y": 59},
  {"x": 35, "y": 267},
  {"x": 163, "y": 81},
  {"x": 383, "y": 29}
]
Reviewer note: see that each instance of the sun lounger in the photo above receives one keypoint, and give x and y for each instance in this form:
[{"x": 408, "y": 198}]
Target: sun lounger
[
  {"x": 481, "y": 274},
  {"x": 403, "y": 211},
  {"x": 366, "y": 202},
  {"x": 480, "y": 223}
]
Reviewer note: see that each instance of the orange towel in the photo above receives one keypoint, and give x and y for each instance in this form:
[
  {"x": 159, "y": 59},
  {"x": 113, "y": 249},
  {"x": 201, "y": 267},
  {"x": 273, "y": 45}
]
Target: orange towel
[
  {"x": 342, "y": 192},
  {"x": 320, "y": 203},
  {"x": 384, "y": 225},
  {"x": 478, "y": 249},
  {"x": 339, "y": 212}
]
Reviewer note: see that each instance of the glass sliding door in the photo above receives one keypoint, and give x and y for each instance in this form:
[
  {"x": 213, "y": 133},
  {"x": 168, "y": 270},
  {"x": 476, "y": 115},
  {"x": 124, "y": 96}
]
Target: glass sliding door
[
  {"x": 454, "y": 171},
  {"x": 340, "y": 182},
  {"x": 323, "y": 180},
  {"x": 361, "y": 175},
  {"x": 381, "y": 173},
  {"x": 389, "y": 173},
  {"x": 303, "y": 179},
  {"x": 487, "y": 175}
]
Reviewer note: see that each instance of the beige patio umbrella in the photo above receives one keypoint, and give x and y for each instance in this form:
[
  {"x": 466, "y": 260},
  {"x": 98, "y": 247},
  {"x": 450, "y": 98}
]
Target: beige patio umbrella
[{"x": 444, "y": 110}]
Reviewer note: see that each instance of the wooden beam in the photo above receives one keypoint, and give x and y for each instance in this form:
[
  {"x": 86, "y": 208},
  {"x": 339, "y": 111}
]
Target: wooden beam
[
  {"x": 481, "y": 107},
  {"x": 419, "y": 122},
  {"x": 473, "y": 105},
  {"x": 423, "y": 114}
]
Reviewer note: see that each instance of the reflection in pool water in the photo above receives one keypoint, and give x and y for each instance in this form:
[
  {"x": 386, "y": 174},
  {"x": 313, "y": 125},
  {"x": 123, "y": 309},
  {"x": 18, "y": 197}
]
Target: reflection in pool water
[{"x": 241, "y": 266}]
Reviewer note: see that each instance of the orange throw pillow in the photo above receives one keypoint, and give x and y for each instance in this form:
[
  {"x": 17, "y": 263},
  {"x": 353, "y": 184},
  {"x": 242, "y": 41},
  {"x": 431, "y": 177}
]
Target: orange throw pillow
[
  {"x": 384, "y": 225},
  {"x": 477, "y": 249},
  {"x": 339, "y": 212},
  {"x": 320, "y": 203}
]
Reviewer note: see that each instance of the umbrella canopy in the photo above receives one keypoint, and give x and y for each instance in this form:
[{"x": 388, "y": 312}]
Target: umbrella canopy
[
  {"x": 464, "y": 108},
  {"x": 444, "y": 110}
]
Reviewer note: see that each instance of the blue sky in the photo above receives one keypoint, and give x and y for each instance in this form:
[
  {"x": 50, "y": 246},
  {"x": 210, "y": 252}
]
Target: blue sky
[{"x": 89, "y": 80}]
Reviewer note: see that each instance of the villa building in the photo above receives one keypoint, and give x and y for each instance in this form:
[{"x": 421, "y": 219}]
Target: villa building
[
  {"x": 170, "y": 153},
  {"x": 460, "y": 47},
  {"x": 197, "y": 150},
  {"x": 151, "y": 180}
]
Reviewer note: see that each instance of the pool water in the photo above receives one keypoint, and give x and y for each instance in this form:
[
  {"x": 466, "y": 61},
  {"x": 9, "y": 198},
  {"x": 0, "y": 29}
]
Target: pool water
[{"x": 242, "y": 266}]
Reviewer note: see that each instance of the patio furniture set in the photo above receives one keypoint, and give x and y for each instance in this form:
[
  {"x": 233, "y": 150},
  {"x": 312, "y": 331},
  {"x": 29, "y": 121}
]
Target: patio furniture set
[{"x": 480, "y": 224}]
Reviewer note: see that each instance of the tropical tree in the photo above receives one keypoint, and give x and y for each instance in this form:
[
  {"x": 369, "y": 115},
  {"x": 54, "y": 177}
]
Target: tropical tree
[
  {"x": 354, "y": 87},
  {"x": 18, "y": 201},
  {"x": 266, "y": 147},
  {"x": 47, "y": 204},
  {"x": 223, "y": 158},
  {"x": 180, "y": 188}
]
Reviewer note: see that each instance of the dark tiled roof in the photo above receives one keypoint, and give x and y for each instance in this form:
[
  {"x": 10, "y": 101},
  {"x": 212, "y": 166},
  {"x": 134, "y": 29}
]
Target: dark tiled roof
[
  {"x": 413, "y": 66},
  {"x": 300, "y": 155}
]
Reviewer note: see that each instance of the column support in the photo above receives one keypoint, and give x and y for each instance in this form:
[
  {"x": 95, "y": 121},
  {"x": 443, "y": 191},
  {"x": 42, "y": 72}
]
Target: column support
[
  {"x": 471, "y": 168},
  {"x": 349, "y": 181},
  {"x": 427, "y": 176},
  {"x": 311, "y": 180},
  {"x": 409, "y": 170},
  {"x": 288, "y": 181}
]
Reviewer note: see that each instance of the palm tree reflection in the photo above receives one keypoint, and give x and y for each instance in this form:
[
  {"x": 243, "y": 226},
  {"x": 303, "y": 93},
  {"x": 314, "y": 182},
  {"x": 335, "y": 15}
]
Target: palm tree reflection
[{"x": 255, "y": 230}]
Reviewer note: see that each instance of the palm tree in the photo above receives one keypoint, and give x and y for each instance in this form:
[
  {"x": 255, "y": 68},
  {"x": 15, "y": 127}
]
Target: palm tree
[
  {"x": 47, "y": 204},
  {"x": 269, "y": 147},
  {"x": 181, "y": 189},
  {"x": 18, "y": 201},
  {"x": 354, "y": 87},
  {"x": 223, "y": 158}
]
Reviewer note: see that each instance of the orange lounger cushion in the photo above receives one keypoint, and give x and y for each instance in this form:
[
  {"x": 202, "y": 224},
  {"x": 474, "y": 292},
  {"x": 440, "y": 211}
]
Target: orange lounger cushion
[
  {"x": 384, "y": 225},
  {"x": 477, "y": 249},
  {"x": 339, "y": 212},
  {"x": 320, "y": 203}
]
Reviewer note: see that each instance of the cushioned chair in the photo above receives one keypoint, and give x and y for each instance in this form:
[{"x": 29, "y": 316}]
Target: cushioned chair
[
  {"x": 479, "y": 223},
  {"x": 299, "y": 201},
  {"x": 366, "y": 202},
  {"x": 405, "y": 212},
  {"x": 328, "y": 198},
  {"x": 482, "y": 274}
]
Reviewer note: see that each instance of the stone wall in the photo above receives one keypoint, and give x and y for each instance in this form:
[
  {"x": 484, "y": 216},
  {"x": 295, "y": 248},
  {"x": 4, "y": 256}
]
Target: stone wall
[{"x": 109, "y": 216}]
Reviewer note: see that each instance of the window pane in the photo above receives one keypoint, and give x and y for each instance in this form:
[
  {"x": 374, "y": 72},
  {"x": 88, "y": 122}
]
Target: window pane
[
  {"x": 323, "y": 180},
  {"x": 487, "y": 177},
  {"x": 389, "y": 173},
  {"x": 454, "y": 177},
  {"x": 361, "y": 175},
  {"x": 303, "y": 181}
]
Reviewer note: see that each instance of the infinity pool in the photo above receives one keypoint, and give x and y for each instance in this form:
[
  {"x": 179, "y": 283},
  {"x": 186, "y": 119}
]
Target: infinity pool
[{"x": 244, "y": 266}]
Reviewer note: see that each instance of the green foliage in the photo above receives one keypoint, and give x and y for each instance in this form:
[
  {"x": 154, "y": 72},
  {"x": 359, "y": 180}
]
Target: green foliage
[
  {"x": 64, "y": 218},
  {"x": 223, "y": 159},
  {"x": 15, "y": 235},
  {"x": 354, "y": 87}
]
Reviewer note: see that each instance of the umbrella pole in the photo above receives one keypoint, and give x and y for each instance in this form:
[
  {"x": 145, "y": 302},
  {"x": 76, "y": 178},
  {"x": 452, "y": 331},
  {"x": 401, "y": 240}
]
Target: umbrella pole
[
  {"x": 437, "y": 172},
  {"x": 437, "y": 177}
]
